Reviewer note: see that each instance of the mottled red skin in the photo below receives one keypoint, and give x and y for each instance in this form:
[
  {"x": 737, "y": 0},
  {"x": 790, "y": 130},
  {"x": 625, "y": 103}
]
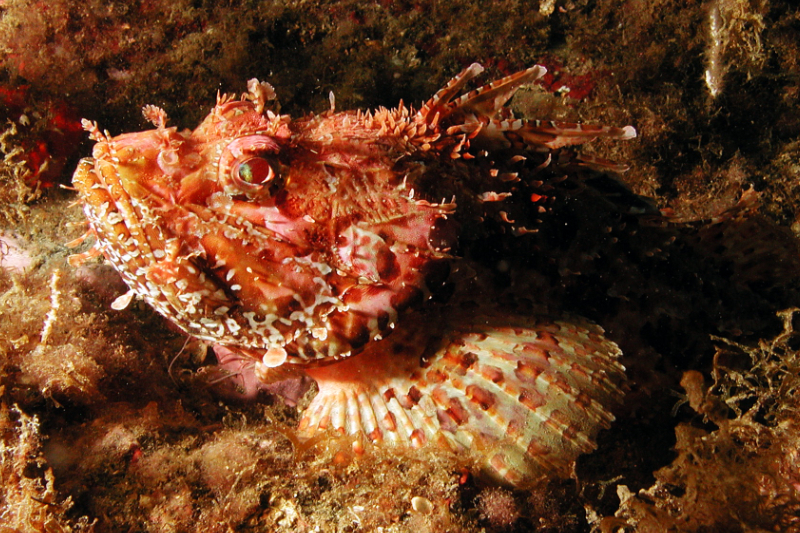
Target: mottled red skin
[{"x": 314, "y": 262}]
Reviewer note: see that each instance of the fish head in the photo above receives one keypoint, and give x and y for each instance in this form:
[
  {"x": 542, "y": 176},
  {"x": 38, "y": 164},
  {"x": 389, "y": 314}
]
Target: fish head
[{"x": 296, "y": 241}]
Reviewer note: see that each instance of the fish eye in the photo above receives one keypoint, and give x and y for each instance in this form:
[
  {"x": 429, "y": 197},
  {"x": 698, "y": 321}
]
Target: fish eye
[
  {"x": 253, "y": 175},
  {"x": 249, "y": 165},
  {"x": 254, "y": 171}
]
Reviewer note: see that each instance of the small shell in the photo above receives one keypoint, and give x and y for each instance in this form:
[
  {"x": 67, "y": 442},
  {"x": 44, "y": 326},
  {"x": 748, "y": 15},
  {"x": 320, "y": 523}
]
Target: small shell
[{"x": 421, "y": 505}]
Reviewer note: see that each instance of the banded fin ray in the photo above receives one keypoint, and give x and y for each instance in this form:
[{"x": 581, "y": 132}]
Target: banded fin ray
[
  {"x": 480, "y": 119},
  {"x": 527, "y": 395},
  {"x": 490, "y": 99}
]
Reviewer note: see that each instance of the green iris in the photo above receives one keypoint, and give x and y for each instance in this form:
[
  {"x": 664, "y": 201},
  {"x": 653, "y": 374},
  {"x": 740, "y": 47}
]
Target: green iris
[
  {"x": 254, "y": 171},
  {"x": 246, "y": 172}
]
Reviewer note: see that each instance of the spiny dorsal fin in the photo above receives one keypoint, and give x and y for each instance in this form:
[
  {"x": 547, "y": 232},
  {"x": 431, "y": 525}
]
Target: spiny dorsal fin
[
  {"x": 446, "y": 93},
  {"x": 484, "y": 102},
  {"x": 480, "y": 118},
  {"x": 489, "y": 99}
]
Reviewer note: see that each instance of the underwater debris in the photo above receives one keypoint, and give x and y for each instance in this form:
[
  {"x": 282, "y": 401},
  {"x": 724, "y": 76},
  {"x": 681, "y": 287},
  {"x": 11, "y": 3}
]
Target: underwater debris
[
  {"x": 15, "y": 189},
  {"x": 498, "y": 507},
  {"x": 737, "y": 468},
  {"x": 13, "y": 256},
  {"x": 29, "y": 499},
  {"x": 734, "y": 40},
  {"x": 47, "y": 132}
]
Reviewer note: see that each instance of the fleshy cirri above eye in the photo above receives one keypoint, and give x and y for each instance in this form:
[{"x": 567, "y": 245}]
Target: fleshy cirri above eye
[{"x": 254, "y": 171}]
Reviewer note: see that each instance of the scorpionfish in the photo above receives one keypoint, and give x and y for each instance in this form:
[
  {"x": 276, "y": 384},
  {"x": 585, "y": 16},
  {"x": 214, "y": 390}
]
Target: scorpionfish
[{"x": 364, "y": 249}]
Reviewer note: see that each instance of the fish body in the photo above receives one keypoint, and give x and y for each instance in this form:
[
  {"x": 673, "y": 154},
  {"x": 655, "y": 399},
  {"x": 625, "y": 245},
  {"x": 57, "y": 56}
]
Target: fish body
[{"x": 341, "y": 244}]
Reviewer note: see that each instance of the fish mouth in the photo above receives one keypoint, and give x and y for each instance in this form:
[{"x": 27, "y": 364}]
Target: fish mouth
[
  {"x": 167, "y": 255},
  {"x": 114, "y": 202}
]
